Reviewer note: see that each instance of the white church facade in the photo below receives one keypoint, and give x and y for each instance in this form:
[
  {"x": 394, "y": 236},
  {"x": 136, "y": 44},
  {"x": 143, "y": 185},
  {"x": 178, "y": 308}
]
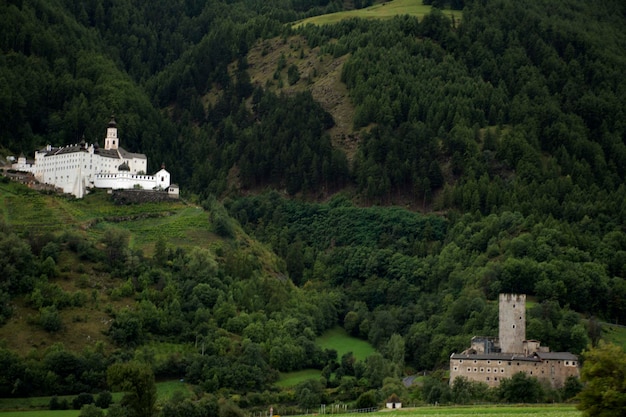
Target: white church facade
[{"x": 77, "y": 168}]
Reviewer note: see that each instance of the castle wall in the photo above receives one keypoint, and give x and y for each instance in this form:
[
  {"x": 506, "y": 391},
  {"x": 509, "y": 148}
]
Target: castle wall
[
  {"x": 492, "y": 370},
  {"x": 125, "y": 181}
]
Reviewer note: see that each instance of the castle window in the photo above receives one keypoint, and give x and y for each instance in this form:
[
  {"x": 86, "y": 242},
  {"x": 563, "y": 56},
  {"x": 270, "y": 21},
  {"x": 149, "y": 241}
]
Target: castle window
[
  {"x": 517, "y": 363},
  {"x": 566, "y": 362},
  {"x": 513, "y": 326},
  {"x": 475, "y": 369},
  {"x": 499, "y": 362},
  {"x": 460, "y": 360},
  {"x": 469, "y": 369},
  {"x": 487, "y": 378},
  {"x": 495, "y": 378},
  {"x": 488, "y": 361},
  {"x": 455, "y": 368},
  {"x": 482, "y": 369},
  {"x": 488, "y": 370}
]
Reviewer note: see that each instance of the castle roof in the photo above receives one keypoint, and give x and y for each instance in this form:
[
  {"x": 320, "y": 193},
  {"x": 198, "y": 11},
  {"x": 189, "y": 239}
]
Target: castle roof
[
  {"x": 535, "y": 357},
  {"x": 494, "y": 356},
  {"x": 553, "y": 356}
]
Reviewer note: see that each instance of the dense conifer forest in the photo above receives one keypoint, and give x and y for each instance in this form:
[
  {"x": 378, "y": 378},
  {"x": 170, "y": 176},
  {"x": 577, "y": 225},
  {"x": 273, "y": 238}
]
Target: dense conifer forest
[{"x": 483, "y": 155}]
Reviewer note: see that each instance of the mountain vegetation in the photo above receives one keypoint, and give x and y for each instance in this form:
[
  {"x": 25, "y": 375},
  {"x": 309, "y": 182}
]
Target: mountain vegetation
[{"x": 390, "y": 176}]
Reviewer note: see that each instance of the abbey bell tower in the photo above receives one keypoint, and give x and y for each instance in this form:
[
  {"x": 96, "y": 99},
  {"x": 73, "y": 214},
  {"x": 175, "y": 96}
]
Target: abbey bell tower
[{"x": 111, "y": 141}]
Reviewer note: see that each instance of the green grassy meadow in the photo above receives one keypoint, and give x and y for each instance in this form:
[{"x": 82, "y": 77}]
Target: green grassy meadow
[
  {"x": 35, "y": 406},
  {"x": 481, "y": 410},
  {"x": 614, "y": 334},
  {"x": 338, "y": 339},
  {"x": 377, "y": 11},
  {"x": 291, "y": 379},
  {"x": 41, "y": 413}
]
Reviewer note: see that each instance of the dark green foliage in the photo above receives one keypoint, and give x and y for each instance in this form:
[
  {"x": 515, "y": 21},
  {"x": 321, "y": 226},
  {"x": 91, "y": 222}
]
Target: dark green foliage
[
  {"x": 90, "y": 410},
  {"x": 137, "y": 382},
  {"x": 82, "y": 399},
  {"x": 367, "y": 400},
  {"x": 520, "y": 388},
  {"x": 310, "y": 394},
  {"x": 603, "y": 374},
  {"x": 56, "y": 404},
  {"x": 293, "y": 74},
  {"x": 229, "y": 409},
  {"x": 571, "y": 388},
  {"x": 104, "y": 399},
  {"x": 50, "y": 319}
]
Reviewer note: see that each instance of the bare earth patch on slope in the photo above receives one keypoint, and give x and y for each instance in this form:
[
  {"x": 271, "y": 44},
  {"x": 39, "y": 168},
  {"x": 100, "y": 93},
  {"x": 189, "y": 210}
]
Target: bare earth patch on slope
[{"x": 269, "y": 61}]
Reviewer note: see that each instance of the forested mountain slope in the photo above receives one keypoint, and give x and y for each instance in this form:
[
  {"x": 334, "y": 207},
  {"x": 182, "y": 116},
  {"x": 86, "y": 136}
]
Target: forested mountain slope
[{"x": 500, "y": 140}]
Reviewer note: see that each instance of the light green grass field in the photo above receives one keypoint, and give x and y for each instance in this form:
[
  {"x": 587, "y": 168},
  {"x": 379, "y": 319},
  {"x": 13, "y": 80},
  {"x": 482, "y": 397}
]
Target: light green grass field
[
  {"x": 338, "y": 339},
  {"x": 614, "y": 334},
  {"x": 558, "y": 410},
  {"x": 291, "y": 379},
  {"x": 378, "y": 11},
  {"x": 165, "y": 390},
  {"x": 42, "y": 413}
]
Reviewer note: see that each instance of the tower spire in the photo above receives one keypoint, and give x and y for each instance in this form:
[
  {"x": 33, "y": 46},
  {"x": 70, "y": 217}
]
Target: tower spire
[{"x": 111, "y": 141}]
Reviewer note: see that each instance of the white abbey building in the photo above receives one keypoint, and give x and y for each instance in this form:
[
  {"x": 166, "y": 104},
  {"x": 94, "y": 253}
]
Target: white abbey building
[{"x": 76, "y": 168}]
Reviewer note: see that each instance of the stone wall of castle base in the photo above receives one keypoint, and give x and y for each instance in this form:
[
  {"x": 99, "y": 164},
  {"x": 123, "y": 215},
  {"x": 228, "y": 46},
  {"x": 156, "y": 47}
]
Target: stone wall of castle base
[{"x": 139, "y": 196}]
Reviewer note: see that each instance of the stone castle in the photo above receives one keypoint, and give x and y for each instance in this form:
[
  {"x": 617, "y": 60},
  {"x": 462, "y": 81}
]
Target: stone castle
[{"x": 490, "y": 359}]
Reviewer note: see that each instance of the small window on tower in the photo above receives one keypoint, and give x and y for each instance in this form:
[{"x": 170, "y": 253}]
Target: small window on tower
[{"x": 513, "y": 326}]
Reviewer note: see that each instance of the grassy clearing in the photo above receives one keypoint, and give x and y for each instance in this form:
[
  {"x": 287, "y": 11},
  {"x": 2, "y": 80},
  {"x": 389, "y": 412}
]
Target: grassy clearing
[
  {"x": 291, "y": 379},
  {"x": 35, "y": 406},
  {"x": 42, "y": 413},
  {"x": 338, "y": 339},
  {"x": 378, "y": 11},
  {"x": 614, "y": 334},
  {"x": 559, "y": 410},
  {"x": 166, "y": 389}
]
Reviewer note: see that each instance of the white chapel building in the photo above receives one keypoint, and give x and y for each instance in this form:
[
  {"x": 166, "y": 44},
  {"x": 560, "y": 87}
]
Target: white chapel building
[{"x": 76, "y": 168}]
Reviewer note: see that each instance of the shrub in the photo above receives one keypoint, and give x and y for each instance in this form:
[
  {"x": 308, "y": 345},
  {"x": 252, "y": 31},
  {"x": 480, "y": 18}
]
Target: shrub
[
  {"x": 366, "y": 400},
  {"x": 55, "y": 404},
  {"x": 90, "y": 410},
  {"x": 82, "y": 399},
  {"x": 50, "y": 319},
  {"x": 104, "y": 399}
]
